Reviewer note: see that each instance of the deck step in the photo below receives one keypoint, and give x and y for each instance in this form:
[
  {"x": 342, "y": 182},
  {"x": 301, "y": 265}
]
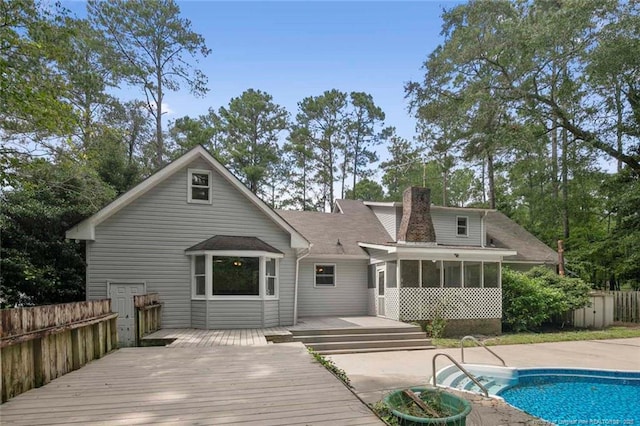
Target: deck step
[
  {"x": 328, "y": 341},
  {"x": 360, "y": 330},
  {"x": 369, "y": 350},
  {"x": 331, "y": 338},
  {"x": 369, "y": 344}
]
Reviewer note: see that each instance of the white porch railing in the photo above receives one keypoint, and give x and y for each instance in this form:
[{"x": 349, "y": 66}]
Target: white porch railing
[{"x": 449, "y": 303}]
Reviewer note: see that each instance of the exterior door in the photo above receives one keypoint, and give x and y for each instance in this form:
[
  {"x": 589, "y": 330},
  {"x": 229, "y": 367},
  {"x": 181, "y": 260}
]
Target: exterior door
[
  {"x": 121, "y": 295},
  {"x": 380, "y": 287}
]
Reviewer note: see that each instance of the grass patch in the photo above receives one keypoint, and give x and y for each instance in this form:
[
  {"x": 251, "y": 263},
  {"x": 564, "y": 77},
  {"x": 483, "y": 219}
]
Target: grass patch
[
  {"x": 617, "y": 332},
  {"x": 331, "y": 366},
  {"x": 382, "y": 410}
]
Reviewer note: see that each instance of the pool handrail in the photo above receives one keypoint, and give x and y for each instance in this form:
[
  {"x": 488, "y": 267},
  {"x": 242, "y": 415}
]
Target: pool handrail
[
  {"x": 460, "y": 367},
  {"x": 481, "y": 344}
]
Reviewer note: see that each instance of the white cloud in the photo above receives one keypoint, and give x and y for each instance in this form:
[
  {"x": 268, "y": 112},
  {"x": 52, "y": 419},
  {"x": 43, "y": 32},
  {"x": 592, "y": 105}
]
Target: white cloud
[{"x": 166, "y": 110}]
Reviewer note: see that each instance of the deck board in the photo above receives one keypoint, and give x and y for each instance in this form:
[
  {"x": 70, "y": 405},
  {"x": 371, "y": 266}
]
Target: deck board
[{"x": 265, "y": 384}]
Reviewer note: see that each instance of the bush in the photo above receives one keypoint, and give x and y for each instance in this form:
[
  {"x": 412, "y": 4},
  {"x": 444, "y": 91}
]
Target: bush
[
  {"x": 576, "y": 291},
  {"x": 527, "y": 303}
]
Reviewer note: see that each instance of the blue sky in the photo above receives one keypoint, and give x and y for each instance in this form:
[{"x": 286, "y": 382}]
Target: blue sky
[{"x": 296, "y": 49}]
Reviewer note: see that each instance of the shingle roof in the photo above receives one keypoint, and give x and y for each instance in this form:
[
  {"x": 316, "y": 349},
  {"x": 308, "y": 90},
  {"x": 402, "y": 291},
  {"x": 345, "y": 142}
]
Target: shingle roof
[
  {"x": 338, "y": 233},
  {"x": 505, "y": 233},
  {"x": 230, "y": 242}
]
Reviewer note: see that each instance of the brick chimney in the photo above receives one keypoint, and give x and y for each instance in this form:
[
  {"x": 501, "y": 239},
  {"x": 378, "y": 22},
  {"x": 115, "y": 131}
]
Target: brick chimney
[{"x": 416, "y": 225}]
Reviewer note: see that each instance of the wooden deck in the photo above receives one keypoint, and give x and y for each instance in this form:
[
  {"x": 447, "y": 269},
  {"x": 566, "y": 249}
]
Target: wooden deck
[
  {"x": 266, "y": 385},
  {"x": 197, "y": 338}
]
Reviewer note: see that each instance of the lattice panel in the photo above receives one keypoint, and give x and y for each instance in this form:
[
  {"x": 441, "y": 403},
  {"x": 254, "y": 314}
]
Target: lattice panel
[
  {"x": 450, "y": 303},
  {"x": 391, "y": 303},
  {"x": 371, "y": 301}
]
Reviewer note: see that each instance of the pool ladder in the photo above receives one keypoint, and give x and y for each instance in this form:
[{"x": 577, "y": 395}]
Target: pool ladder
[
  {"x": 460, "y": 367},
  {"x": 473, "y": 339}
]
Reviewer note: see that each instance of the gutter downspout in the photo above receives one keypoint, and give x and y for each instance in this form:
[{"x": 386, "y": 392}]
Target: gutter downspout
[{"x": 295, "y": 288}]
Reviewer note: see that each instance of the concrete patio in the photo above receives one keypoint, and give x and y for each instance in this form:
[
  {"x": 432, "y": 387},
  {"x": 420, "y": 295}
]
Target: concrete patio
[{"x": 374, "y": 375}]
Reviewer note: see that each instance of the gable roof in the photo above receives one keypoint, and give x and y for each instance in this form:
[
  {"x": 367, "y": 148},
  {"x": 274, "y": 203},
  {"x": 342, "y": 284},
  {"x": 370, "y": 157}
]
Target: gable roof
[
  {"x": 85, "y": 230},
  {"x": 334, "y": 234},
  {"x": 231, "y": 242},
  {"x": 355, "y": 226},
  {"x": 503, "y": 232}
]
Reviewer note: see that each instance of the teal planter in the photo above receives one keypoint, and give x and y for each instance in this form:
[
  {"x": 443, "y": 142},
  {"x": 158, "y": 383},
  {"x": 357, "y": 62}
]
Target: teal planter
[{"x": 459, "y": 407}]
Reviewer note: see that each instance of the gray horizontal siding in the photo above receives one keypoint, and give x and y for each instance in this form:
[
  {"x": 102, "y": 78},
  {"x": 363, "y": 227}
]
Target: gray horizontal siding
[
  {"x": 198, "y": 314},
  {"x": 445, "y": 225},
  {"x": 145, "y": 241},
  {"x": 231, "y": 314},
  {"x": 271, "y": 317},
  {"x": 348, "y": 297},
  {"x": 446, "y": 228},
  {"x": 387, "y": 216}
]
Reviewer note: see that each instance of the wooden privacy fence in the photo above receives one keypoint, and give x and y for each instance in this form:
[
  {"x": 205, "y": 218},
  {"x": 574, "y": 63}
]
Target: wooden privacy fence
[
  {"x": 41, "y": 343},
  {"x": 626, "y": 306},
  {"x": 148, "y": 314}
]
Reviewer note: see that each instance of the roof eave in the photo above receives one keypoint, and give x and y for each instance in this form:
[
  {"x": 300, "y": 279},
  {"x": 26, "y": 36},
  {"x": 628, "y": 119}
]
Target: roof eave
[
  {"x": 437, "y": 250},
  {"x": 82, "y": 231}
]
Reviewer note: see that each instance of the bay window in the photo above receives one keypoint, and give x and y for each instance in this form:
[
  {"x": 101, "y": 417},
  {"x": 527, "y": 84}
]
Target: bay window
[
  {"x": 219, "y": 275},
  {"x": 236, "y": 276},
  {"x": 199, "y": 276}
]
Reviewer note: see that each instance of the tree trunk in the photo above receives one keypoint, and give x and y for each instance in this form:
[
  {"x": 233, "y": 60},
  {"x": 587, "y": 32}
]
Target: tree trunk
[
  {"x": 355, "y": 172},
  {"x": 444, "y": 188},
  {"x": 565, "y": 185},
  {"x": 330, "y": 183},
  {"x": 490, "y": 178},
  {"x": 484, "y": 184},
  {"x": 554, "y": 160},
  {"x": 304, "y": 182},
  {"x": 344, "y": 176},
  {"x": 159, "y": 141},
  {"x": 619, "y": 122}
]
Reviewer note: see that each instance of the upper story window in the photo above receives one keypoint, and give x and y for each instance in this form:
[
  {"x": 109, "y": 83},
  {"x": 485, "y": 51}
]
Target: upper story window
[
  {"x": 462, "y": 226},
  {"x": 199, "y": 186},
  {"x": 325, "y": 275}
]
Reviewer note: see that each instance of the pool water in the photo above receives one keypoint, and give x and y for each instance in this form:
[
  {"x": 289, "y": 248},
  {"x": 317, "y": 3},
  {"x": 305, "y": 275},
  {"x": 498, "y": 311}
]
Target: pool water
[{"x": 577, "y": 397}]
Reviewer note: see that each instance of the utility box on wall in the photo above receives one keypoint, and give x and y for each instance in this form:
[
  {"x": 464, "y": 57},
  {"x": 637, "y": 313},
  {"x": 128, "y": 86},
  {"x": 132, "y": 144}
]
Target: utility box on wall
[{"x": 598, "y": 315}]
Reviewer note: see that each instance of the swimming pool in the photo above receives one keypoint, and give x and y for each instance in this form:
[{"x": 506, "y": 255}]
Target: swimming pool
[{"x": 577, "y": 396}]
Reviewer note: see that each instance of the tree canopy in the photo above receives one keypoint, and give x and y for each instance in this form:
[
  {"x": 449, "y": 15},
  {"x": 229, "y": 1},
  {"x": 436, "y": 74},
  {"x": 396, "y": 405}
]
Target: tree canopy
[{"x": 529, "y": 107}]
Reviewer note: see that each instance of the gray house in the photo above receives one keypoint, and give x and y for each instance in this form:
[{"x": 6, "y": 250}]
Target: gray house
[{"x": 221, "y": 258}]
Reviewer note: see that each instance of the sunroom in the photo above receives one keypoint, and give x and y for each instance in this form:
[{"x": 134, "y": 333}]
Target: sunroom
[{"x": 421, "y": 282}]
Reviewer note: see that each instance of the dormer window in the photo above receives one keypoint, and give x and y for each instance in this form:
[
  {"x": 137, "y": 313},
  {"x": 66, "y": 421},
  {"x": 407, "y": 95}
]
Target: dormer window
[
  {"x": 199, "y": 186},
  {"x": 462, "y": 226}
]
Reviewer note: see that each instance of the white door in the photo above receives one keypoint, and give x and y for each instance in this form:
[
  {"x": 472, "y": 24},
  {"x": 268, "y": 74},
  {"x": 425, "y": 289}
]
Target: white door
[
  {"x": 121, "y": 295},
  {"x": 380, "y": 286}
]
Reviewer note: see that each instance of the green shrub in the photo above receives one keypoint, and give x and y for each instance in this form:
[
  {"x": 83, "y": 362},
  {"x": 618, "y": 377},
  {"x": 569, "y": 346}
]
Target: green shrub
[
  {"x": 527, "y": 303},
  {"x": 576, "y": 291}
]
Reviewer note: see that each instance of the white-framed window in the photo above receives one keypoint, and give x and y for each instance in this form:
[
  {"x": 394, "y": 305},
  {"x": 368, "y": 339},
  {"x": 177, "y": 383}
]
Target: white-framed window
[
  {"x": 199, "y": 277},
  {"x": 462, "y": 226},
  {"x": 271, "y": 277},
  {"x": 325, "y": 275},
  {"x": 234, "y": 275},
  {"x": 199, "y": 186}
]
